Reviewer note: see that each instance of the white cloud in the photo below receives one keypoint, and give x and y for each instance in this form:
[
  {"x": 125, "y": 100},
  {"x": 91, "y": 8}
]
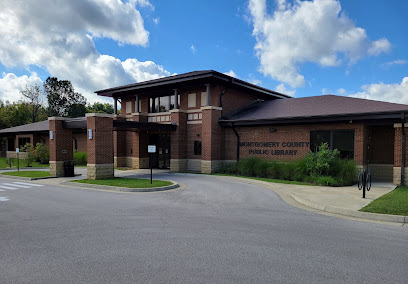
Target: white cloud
[
  {"x": 282, "y": 89},
  {"x": 396, "y": 93},
  {"x": 156, "y": 20},
  {"x": 11, "y": 85},
  {"x": 341, "y": 91},
  {"x": 58, "y": 37},
  {"x": 396, "y": 62},
  {"x": 255, "y": 82},
  {"x": 231, "y": 73},
  {"x": 307, "y": 31},
  {"x": 193, "y": 49}
]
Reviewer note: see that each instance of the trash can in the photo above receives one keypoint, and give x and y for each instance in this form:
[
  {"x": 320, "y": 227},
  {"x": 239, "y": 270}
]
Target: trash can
[{"x": 69, "y": 168}]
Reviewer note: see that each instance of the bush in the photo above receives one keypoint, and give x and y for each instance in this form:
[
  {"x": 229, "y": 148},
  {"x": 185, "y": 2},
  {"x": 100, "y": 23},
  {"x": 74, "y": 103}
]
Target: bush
[
  {"x": 42, "y": 153},
  {"x": 30, "y": 157},
  {"x": 229, "y": 168},
  {"x": 80, "y": 158},
  {"x": 318, "y": 164},
  {"x": 261, "y": 168},
  {"x": 246, "y": 167},
  {"x": 326, "y": 181},
  {"x": 345, "y": 171}
]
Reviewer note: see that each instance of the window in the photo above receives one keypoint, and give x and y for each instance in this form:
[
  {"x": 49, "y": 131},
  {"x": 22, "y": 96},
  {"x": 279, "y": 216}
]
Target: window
[
  {"x": 161, "y": 104},
  {"x": 203, "y": 98},
  {"x": 342, "y": 140},
  {"x": 192, "y": 100},
  {"x": 197, "y": 147},
  {"x": 128, "y": 107},
  {"x": 23, "y": 141},
  {"x": 140, "y": 105}
]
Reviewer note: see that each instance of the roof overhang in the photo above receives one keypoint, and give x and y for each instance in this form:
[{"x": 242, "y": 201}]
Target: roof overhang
[
  {"x": 379, "y": 118},
  {"x": 183, "y": 81}
]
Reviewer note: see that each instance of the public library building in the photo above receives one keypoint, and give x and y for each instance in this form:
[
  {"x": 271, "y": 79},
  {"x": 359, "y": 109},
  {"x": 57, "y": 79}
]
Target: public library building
[{"x": 203, "y": 119}]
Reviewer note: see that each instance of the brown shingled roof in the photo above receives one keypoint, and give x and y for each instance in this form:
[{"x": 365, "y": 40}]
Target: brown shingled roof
[
  {"x": 41, "y": 126},
  {"x": 318, "y": 106}
]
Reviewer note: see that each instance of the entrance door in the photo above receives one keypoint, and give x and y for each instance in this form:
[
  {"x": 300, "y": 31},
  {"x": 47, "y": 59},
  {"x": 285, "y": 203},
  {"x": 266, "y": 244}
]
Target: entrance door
[{"x": 161, "y": 159}]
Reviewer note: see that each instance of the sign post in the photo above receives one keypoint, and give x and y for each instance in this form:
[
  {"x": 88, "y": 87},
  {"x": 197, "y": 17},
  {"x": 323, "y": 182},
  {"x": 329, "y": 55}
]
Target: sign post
[
  {"x": 18, "y": 160},
  {"x": 151, "y": 149}
]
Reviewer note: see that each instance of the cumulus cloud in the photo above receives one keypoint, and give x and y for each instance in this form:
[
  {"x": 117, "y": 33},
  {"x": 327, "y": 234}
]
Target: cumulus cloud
[
  {"x": 11, "y": 85},
  {"x": 231, "y": 73},
  {"x": 58, "y": 37},
  {"x": 396, "y": 62},
  {"x": 282, "y": 89},
  {"x": 395, "y": 93},
  {"x": 307, "y": 31},
  {"x": 193, "y": 49}
]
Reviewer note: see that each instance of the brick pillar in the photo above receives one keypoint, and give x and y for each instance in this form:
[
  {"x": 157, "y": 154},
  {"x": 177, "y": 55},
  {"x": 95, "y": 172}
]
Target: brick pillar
[
  {"x": 140, "y": 140},
  {"x": 100, "y": 147},
  {"x": 119, "y": 142},
  {"x": 211, "y": 139},
  {"x": 398, "y": 155},
  {"x": 178, "y": 141},
  {"x": 61, "y": 146}
]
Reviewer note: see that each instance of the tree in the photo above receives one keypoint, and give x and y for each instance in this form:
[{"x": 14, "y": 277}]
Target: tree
[
  {"x": 100, "y": 108},
  {"x": 34, "y": 94},
  {"x": 62, "y": 99}
]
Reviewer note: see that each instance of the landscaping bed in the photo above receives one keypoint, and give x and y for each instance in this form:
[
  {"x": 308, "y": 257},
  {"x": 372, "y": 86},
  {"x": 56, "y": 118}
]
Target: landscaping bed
[
  {"x": 4, "y": 164},
  {"x": 127, "y": 182}
]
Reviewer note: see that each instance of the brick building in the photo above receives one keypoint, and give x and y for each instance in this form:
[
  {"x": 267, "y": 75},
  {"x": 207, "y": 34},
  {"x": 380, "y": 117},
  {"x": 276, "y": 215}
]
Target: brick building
[{"x": 202, "y": 119}]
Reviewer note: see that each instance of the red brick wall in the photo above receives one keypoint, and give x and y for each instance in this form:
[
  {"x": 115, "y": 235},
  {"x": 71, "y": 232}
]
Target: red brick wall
[
  {"x": 211, "y": 135},
  {"x": 193, "y": 134},
  {"x": 295, "y": 133},
  {"x": 61, "y": 146},
  {"x": 100, "y": 147},
  {"x": 81, "y": 141},
  {"x": 234, "y": 99},
  {"x": 179, "y": 137},
  {"x": 398, "y": 148}
]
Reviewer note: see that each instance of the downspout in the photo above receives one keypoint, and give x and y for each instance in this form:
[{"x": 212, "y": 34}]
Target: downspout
[
  {"x": 403, "y": 143},
  {"x": 222, "y": 94},
  {"x": 238, "y": 139}
]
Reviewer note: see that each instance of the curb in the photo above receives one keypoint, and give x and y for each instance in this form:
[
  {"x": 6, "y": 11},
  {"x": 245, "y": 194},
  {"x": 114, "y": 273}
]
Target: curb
[
  {"x": 124, "y": 189},
  {"x": 24, "y": 178},
  {"x": 325, "y": 208}
]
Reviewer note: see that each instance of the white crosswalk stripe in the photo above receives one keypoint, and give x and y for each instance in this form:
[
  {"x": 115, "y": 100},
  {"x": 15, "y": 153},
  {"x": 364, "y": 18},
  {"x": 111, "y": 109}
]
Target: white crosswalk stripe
[
  {"x": 26, "y": 183},
  {"x": 8, "y": 187},
  {"x": 17, "y": 185}
]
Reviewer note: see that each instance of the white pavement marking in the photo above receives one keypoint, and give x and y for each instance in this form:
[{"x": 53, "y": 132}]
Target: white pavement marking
[
  {"x": 8, "y": 187},
  {"x": 4, "y": 198},
  {"x": 16, "y": 185},
  {"x": 26, "y": 183}
]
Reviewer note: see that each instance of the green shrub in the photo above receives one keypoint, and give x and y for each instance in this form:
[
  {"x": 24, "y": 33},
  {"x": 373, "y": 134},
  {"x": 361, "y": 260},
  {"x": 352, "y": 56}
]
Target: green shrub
[
  {"x": 272, "y": 171},
  {"x": 246, "y": 167},
  {"x": 287, "y": 171},
  {"x": 80, "y": 158},
  {"x": 229, "y": 168},
  {"x": 326, "y": 181},
  {"x": 345, "y": 171},
  {"x": 261, "y": 168},
  {"x": 299, "y": 173},
  {"x": 318, "y": 163},
  {"x": 30, "y": 156},
  {"x": 42, "y": 153}
]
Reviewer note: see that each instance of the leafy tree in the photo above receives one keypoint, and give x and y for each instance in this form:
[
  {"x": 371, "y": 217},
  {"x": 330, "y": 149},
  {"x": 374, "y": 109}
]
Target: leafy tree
[
  {"x": 100, "y": 108},
  {"x": 18, "y": 113},
  {"x": 62, "y": 99},
  {"x": 34, "y": 94}
]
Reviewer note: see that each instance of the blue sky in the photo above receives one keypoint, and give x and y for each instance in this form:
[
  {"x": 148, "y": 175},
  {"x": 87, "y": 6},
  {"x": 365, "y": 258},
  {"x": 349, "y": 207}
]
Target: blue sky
[{"x": 302, "y": 48}]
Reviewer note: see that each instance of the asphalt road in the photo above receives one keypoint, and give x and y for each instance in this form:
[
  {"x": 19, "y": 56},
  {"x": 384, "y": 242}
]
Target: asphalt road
[{"x": 213, "y": 231}]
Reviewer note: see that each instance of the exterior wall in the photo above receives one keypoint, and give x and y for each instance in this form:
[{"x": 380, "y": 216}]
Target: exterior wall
[
  {"x": 30, "y": 136},
  {"x": 81, "y": 139},
  {"x": 398, "y": 155},
  {"x": 284, "y": 134},
  {"x": 234, "y": 99}
]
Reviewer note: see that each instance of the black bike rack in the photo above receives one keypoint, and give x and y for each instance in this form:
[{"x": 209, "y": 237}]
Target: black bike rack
[{"x": 364, "y": 182}]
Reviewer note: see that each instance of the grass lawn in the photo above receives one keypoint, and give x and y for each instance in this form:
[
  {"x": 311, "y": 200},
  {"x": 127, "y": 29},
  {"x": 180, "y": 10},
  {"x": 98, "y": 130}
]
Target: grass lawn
[
  {"x": 394, "y": 202},
  {"x": 127, "y": 182},
  {"x": 23, "y": 164},
  {"x": 30, "y": 174},
  {"x": 270, "y": 180}
]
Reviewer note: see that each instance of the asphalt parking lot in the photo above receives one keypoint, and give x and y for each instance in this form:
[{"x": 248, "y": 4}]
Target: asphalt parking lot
[{"x": 213, "y": 230}]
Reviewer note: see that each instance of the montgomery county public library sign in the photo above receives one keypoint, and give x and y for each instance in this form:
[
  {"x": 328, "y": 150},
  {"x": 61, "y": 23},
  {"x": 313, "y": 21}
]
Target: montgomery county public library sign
[{"x": 274, "y": 148}]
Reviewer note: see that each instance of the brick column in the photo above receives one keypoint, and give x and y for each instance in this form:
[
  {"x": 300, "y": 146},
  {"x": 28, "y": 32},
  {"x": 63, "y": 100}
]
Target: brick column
[
  {"x": 398, "y": 155},
  {"x": 211, "y": 139},
  {"x": 140, "y": 140},
  {"x": 61, "y": 146},
  {"x": 100, "y": 146},
  {"x": 178, "y": 141},
  {"x": 119, "y": 142}
]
